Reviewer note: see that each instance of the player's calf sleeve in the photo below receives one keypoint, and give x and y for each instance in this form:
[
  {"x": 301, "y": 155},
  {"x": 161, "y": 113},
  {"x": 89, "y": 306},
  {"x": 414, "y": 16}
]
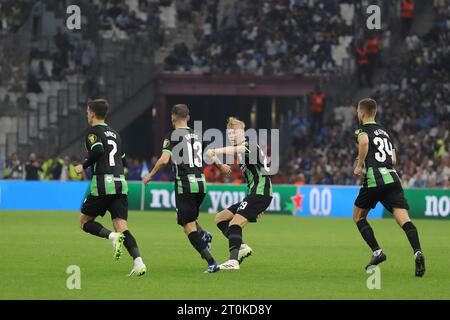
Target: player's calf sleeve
[
  {"x": 131, "y": 244},
  {"x": 200, "y": 230},
  {"x": 200, "y": 245},
  {"x": 412, "y": 235},
  {"x": 234, "y": 240},
  {"x": 367, "y": 233},
  {"x": 223, "y": 226},
  {"x": 96, "y": 229}
]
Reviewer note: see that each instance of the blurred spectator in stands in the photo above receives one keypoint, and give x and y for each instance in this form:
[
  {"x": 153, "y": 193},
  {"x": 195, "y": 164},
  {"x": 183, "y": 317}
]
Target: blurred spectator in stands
[
  {"x": 317, "y": 103},
  {"x": 23, "y": 103},
  {"x": 134, "y": 170},
  {"x": 41, "y": 72},
  {"x": 7, "y": 106},
  {"x": 300, "y": 180},
  {"x": 33, "y": 84},
  {"x": 37, "y": 12},
  {"x": 439, "y": 149},
  {"x": 3, "y": 20},
  {"x": 47, "y": 165},
  {"x": 407, "y": 16},
  {"x": 159, "y": 175},
  {"x": 372, "y": 46},
  {"x": 212, "y": 174},
  {"x": 33, "y": 168},
  {"x": 65, "y": 167},
  {"x": 73, "y": 176},
  {"x": 363, "y": 70},
  {"x": 15, "y": 17},
  {"x": 14, "y": 168},
  {"x": 184, "y": 11}
]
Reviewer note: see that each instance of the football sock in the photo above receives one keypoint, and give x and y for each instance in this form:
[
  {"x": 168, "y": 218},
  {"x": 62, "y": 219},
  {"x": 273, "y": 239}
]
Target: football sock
[
  {"x": 234, "y": 240},
  {"x": 367, "y": 233},
  {"x": 223, "y": 226},
  {"x": 96, "y": 229},
  {"x": 200, "y": 246},
  {"x": 131, "y": 245},
  {"x": 200, "y": 230},
  {"x": 413, "y": 236}
]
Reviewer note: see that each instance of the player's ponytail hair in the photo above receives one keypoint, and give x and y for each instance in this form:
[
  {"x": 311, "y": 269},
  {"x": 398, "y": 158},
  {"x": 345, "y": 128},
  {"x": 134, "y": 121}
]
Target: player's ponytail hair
[{"x": 235, "y": 122}]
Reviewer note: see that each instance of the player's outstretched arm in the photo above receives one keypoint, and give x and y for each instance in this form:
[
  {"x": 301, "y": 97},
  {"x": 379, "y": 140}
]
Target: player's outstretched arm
[
  {"x": 229, "y": 150},
  {"x": 161, "y": 163},
  {"x": 224, "y": 168}
]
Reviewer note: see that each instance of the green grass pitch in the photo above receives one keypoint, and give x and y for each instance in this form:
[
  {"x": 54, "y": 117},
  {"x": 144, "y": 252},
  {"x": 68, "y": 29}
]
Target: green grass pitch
[{"x": 294, "y": 258}]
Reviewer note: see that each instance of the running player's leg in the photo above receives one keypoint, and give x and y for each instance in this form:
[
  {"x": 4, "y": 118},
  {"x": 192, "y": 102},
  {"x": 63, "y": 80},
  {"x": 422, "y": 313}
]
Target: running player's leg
[
  {"x": 223, "y": 219},
  {"x": 190, "y": 229},
  {"x": 205, "y": 235},
  {"x": 403, "y": 220},
  {"x": 93, "y": 207},
  {"x": 234, "y": 241},
  {"x": 89, "y": 225},
  {"x": 187, "y": 214},
  {"x": 119, "y": 215},
  {"x": 366, "y": 231},
  {"x": 395, "y": 202}
]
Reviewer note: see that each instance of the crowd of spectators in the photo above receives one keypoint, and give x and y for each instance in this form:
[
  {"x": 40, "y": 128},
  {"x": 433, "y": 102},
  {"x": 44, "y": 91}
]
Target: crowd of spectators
[
  {"x": 45, "y": 168},
  {"x": 266, "y": 37},
  {"x": 414, "y": 103}
]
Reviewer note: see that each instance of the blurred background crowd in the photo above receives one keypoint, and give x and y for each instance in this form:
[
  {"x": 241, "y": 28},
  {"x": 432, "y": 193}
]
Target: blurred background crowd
[{"x": 263, "y": 37}]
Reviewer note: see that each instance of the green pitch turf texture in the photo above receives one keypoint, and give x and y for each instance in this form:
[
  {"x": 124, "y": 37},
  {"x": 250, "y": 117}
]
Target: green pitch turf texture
[{"x": 294, "y": 258}]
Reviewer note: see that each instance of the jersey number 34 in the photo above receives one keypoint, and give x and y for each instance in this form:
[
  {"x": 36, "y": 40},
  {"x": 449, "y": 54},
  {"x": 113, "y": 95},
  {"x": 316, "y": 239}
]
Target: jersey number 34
[{"x": 384, "y": 148}]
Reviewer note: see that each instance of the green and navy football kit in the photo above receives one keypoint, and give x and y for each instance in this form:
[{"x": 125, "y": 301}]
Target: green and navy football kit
[
  {"x": 186, "y": 151},
  {"x": 259, "y": 194},
  {"x": 108, "y": 188},
  {"x": 381, "y": 182}
]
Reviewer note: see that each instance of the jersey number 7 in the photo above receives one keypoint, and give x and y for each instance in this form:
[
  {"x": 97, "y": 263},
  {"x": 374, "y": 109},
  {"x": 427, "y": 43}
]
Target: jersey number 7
[{"x": 113, "y": 152}]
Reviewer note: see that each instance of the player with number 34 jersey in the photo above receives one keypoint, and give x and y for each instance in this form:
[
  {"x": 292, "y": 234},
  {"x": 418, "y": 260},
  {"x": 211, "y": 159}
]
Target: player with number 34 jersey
[{"x": 376, "y": 152}]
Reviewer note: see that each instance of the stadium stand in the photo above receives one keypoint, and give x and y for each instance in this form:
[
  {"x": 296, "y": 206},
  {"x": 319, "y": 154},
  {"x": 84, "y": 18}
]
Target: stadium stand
[{"x": 410, "y": 85}]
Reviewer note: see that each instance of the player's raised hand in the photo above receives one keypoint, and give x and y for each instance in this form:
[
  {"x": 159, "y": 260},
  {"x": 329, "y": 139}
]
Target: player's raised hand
[
  {"x": 225, "y": 169},
  {"x": 147, "y": 179},
  {"x": 79, "y": 169}
]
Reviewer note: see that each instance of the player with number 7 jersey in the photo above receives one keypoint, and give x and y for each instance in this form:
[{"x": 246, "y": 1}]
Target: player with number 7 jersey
[
  {"x": 108, "y": 190},
  {"x": 108, "y": 172}
]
